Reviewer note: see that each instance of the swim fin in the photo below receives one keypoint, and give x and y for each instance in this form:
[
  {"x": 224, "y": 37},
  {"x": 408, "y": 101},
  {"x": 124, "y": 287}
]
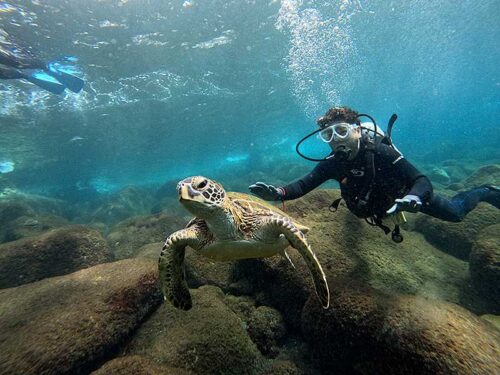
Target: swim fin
[
  {"x": 46, "y": 82},
  {"x": 63, "y": 75}
]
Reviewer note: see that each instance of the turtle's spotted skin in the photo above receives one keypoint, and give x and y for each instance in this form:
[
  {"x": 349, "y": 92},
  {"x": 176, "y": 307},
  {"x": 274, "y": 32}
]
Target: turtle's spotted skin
[{"x": 229, "y": 226}]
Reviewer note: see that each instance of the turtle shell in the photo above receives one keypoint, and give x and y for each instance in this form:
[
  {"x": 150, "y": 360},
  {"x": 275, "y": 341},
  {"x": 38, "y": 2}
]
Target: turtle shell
[{"x": 254, "y": 203}]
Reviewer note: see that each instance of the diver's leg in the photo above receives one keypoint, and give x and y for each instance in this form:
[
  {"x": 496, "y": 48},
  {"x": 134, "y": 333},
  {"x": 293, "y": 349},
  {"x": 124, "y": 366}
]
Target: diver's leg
[
  {"x": 9, "y": 73},
  {"x": 456, "y": 208}
]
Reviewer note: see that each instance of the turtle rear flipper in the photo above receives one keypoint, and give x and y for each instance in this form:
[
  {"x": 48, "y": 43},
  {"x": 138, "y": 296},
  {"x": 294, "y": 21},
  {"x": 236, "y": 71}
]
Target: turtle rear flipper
[
  {"x": 298, "y": 241},
  {"x": 171, "y": 267}
]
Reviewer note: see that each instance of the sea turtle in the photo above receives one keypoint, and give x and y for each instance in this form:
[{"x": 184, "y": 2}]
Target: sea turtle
[{"x": 229, "y": 226}]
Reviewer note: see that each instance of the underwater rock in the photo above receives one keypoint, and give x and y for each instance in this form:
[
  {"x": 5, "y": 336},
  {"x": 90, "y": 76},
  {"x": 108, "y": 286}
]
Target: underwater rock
[
  {"x": 439, "y": 175},
  {"x": 128, "y": 202},
  {"x": 57, "y": 252},
  {"x": 284, "y": 367},
  {"x": 150, "y": 250},
  {"x": 488, "y": 175},
  {"x": 68, "y": 324},
  {"x": 11, "y": 209},
  {"x": 347, "y": 247},
  {"x": 369, "y": 332},
  {"x": 208, "y": 339},
  {"x": 127, "y": 237},
  {"x": 456, "y": 187},
  {"x": 137, "y": 365},
  {"x": 457, "y": 238},
  {"x": 266, "y": 329},
  {"x": 484, "y": 265},
  {"x": 14, "y": 204},
  {"x": 30, "y": 226},
  {"x": 457, "y": 170},
  {"x": 493, "y": 319}
]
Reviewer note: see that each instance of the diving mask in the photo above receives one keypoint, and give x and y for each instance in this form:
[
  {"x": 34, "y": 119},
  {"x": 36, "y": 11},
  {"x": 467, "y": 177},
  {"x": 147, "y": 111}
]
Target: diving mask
[{"x": 339, "y": 131}]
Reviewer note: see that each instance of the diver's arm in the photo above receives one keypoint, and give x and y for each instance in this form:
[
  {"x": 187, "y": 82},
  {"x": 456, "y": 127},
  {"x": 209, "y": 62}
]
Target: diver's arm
[
  {"x": 422, "y": 188},
  {"x": 324, "y": 171},
  {"x": 416, "y": 181}
]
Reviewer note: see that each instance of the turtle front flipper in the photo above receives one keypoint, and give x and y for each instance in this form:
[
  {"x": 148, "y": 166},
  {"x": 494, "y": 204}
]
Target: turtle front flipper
[
  {"x": 171, "y": 266},
  {"x": 298, "y": 241}
]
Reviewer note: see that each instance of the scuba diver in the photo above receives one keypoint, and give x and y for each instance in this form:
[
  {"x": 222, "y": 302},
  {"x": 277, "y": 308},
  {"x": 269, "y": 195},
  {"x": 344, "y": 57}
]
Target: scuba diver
[
  {"x": 376, "y": 181},
  {"x": 18, "y": 63}
]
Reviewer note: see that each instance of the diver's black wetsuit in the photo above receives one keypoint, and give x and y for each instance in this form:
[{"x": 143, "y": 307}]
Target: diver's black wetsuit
[{"x": 395, "y": 177}]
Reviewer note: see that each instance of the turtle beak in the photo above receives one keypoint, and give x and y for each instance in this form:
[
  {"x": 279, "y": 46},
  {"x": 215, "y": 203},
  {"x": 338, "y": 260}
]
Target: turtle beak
[{"x": 187, "y": 193}]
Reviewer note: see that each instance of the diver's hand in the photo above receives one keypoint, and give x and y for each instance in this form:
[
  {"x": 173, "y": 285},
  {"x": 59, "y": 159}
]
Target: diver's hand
[
  {"x": 410, "y": 203},
  {"x": 266, "y": 192}
]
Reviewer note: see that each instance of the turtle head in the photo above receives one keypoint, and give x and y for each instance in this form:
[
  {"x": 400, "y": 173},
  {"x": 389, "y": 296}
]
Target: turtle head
[{"x": 201, "y": 196}]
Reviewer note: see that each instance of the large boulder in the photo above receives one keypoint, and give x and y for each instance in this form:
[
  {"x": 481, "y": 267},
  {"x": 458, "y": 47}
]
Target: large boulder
[
  {"x": 457, "y": 238},
  {"x": 31, "y": 226},
  {"x": 57, "y": 252},
  {"x": 130, "y": 201},
  {"x": 487, "y": 175},
  {"x": 349, "y": 248},
  {"x": 69, "y": 324},
  {"x": 12, "y": 209},
  {"x": 484, "y": 265},
  {"x": 150, "y": 250},
  {"x": 14, "y": 204},
  {"x": 16, "y": 207},
  {"x": 127, "y": 237},
  {"x": 369, "y": 332},
  {"x": 208, "y": 339},
  {"x": 438, "y": 175}
]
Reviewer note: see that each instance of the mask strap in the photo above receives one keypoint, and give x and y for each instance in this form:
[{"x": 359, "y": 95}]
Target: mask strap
[
  {"x": 332, "y": 155},
  {"x": 305, "y": 138}
]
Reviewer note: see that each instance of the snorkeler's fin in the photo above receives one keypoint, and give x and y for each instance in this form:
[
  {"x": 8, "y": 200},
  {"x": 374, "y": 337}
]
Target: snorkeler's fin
[
  {"x": 46, "y": 82},
  {"x": 64, "y": 76}
]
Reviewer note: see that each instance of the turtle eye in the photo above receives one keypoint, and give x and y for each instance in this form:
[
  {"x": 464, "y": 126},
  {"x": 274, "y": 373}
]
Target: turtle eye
[{"x": 203, "y": 184}]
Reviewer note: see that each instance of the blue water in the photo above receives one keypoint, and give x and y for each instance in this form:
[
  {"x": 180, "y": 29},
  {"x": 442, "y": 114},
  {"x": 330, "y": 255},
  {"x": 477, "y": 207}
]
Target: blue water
[{"x": 227, "y": 88}]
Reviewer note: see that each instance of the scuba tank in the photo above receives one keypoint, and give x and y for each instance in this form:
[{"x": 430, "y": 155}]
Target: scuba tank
[{"x": 372, "y": 141}]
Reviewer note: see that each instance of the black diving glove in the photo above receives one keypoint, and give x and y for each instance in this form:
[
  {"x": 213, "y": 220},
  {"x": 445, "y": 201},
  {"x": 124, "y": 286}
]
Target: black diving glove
[
  {"x": 409, "y": 203},
  {"x": 266, "y": 192}
]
